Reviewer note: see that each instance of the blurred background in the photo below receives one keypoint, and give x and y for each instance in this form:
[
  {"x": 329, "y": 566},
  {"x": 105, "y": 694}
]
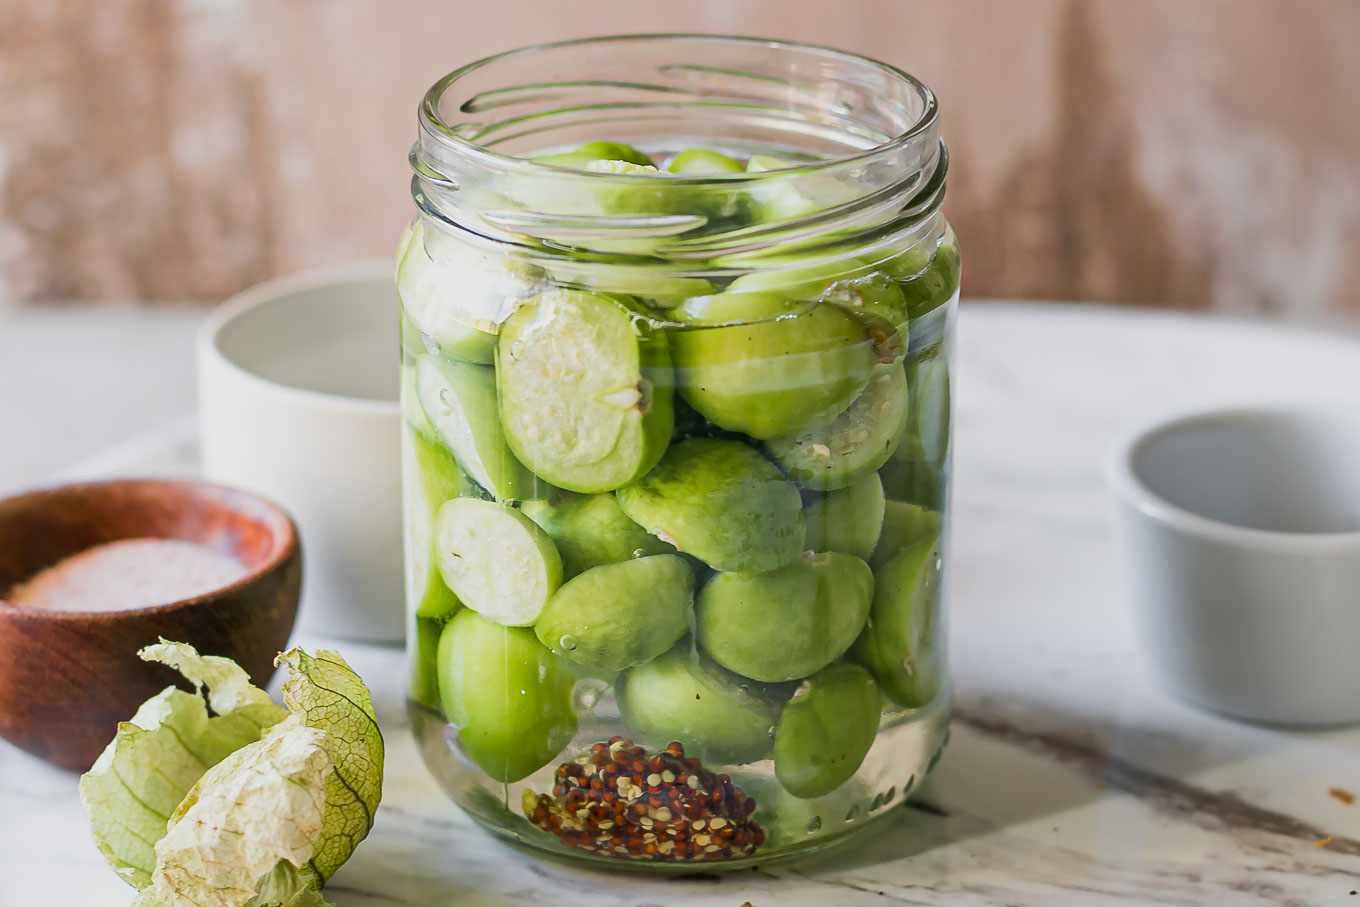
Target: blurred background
[{"x": 1197, "y": 155}]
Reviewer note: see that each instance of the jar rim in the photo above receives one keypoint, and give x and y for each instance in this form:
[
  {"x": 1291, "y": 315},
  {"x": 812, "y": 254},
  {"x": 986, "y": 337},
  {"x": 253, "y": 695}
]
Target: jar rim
[{"x": 430, "y": 117}]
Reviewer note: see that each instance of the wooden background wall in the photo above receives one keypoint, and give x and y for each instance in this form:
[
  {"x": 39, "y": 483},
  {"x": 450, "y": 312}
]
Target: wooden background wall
[{"x": 1187, "y": 153}]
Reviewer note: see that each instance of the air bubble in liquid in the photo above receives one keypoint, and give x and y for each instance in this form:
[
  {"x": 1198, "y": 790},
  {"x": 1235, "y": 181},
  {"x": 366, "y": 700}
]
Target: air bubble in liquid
[
  {"x": 639, "y": 552},
  {"x": 587, "y": 693},
  {"x": 815, "y": 825},
  {"x": 431, "y": 345},
  {"x": 568, "y": 643},
  {"x": 853, "y": 814}
]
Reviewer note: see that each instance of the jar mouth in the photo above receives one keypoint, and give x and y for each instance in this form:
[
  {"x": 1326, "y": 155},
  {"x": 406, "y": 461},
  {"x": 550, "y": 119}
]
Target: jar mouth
[
  {"x": 461, "y": 137},
  {"x": 861, "y": 139}
]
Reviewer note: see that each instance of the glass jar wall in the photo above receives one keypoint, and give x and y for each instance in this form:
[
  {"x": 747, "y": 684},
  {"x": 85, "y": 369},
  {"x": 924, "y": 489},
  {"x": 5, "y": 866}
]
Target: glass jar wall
[{"x": 676, "y": 343}]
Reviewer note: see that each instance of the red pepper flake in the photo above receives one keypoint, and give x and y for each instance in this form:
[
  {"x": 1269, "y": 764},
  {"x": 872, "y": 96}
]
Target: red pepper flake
[
  {"x": 1340, "y": 793},
  {"x": 669, "y": 809},
  {"x": 1323, "y": 842}
]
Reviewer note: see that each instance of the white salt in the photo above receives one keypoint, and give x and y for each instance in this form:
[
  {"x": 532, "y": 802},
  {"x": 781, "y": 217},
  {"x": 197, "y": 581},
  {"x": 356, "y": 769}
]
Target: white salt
[{"x": 133, "y": 573}]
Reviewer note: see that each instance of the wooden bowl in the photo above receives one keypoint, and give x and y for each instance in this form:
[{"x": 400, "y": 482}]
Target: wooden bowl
[{"x": 67, "y": 678}]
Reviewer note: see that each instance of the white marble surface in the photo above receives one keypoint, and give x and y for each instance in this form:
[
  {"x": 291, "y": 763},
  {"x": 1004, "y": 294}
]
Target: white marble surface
[{"x": 1071, "y": 779}]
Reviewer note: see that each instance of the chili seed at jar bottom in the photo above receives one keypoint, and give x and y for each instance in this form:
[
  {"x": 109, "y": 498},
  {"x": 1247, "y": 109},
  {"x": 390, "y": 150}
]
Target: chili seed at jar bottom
[{"x": 622, "y": 800}]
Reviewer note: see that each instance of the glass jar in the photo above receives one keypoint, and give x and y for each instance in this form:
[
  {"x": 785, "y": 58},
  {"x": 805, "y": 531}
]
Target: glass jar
[{"x": 677, "y": 332}]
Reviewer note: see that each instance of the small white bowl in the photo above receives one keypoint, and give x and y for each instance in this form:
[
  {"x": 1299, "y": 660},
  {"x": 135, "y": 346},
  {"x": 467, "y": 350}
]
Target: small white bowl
[
  {"x": 298, "y": 384},
  {"x": 1240, "y": 535}
]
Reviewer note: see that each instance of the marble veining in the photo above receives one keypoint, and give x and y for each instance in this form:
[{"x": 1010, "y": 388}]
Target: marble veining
[{"x": 1071, "y": 779}]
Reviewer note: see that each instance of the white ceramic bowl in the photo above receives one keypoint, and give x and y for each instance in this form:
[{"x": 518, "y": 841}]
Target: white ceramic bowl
[
  {"x": 298, "y": 385},
  {"x": 1240, "y": 532}
]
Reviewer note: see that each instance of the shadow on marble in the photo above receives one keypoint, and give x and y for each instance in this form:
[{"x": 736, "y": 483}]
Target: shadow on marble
[
  {"x": 981, "y": 786},
  {"x": 1023, "y": 766}
]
